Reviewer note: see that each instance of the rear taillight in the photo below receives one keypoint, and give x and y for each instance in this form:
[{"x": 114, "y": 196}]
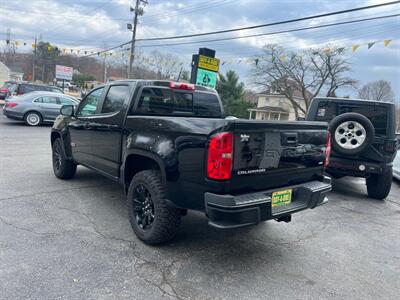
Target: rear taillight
[
  {"x": 327, "y": 149},
  {"x": 391, "y": 146},
  {"x": 220, "y": 156},
  {"x": 11, "y": 104}
]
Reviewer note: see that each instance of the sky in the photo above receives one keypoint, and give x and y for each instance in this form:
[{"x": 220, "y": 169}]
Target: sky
[{"x": 98, "y": 24}]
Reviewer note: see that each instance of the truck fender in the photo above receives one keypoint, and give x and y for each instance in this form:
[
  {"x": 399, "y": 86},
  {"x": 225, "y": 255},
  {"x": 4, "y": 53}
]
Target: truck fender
[
  {"x": 145, "y": 154},
  {"x": 65, "y": 141}
]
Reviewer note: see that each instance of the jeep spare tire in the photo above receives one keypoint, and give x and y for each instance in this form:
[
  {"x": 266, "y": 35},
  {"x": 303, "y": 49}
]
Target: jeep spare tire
[{"x": 351, "y": 133}]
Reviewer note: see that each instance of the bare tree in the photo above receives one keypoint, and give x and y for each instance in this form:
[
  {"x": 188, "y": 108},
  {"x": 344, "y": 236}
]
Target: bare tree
[
  {"x": 305, "y": 73},
  {"x": 379, "y": 90},
  {"x": 165, "y": 65}
]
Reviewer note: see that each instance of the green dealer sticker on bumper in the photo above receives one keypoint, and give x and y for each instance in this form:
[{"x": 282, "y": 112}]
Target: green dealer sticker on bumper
[{"x": 282, "y": 197}]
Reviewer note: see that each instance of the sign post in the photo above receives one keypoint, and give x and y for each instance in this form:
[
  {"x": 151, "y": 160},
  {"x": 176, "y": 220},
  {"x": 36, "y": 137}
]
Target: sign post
[{"x": 205, "y": 68}]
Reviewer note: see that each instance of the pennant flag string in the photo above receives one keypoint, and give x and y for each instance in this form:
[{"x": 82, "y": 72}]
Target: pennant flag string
[{"x": 370, "y": 45}]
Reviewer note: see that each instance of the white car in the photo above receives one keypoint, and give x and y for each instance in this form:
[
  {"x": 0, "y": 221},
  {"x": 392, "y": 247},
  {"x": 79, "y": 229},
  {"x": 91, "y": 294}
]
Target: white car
[
  {"x": 396, "y": 166},
  {"x": 67, "y": 84}
]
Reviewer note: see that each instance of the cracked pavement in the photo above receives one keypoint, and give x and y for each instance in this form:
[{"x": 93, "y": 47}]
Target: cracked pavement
[{"x": 72, "y": 240}]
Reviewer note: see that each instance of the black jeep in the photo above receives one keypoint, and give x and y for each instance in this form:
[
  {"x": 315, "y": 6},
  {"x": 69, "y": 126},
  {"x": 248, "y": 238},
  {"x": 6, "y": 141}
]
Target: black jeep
[{"x": 363, "y": 140}]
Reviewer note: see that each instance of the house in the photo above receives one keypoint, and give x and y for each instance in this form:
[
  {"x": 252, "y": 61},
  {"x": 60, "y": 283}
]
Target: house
[
  {"x": 4, "y": 73},
  {"x": 16, "y": 73},
  {"x": 10, "y": 73},
  {"x": 272, "y": 105}
]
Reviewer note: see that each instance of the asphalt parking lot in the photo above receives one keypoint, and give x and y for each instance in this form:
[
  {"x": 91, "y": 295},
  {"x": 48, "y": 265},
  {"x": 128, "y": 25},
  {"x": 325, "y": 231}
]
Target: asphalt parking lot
[{"x": 72, "y": 240}]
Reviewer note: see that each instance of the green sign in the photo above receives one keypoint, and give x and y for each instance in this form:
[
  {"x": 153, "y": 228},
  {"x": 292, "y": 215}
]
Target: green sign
[{"x": 206, "y": 78}]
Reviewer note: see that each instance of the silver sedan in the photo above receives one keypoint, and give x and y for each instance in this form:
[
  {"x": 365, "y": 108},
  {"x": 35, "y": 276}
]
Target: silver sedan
[{"x": 36, "y": 108}]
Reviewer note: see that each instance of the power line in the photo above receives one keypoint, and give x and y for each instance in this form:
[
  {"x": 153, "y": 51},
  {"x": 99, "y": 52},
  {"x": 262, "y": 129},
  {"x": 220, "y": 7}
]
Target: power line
[
  {"x": 257, "y": 26},
  {"x": 271, "y": 24},
  {"x": 186, "y": 11},
  {"x": 105, "y": 3},
  {"x": 271, "y": 33},
  {"x": 29, "y": 12},
  {"x": 251, "y": 52}
]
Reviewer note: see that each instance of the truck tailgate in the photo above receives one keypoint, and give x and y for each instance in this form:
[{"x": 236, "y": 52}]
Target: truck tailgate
[{"x": 271, "y": 154}]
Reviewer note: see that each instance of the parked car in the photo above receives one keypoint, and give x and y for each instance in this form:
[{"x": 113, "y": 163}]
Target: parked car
[
  {"x": 171, "y": 148},
  {"x": 36, "y": 108},
  {"x": 23, "y": 88},
  {"x": 363, "y": 140},
  {"x": 67, "y": 84},
  {"x": 5, "y": 90}
]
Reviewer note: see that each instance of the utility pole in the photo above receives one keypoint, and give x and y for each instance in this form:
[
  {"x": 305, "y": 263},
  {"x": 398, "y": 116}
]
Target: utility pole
[
  {"x": 34, "y": 59},
  {"x": 138, "y": 12},
  {"x": 8, "y": 42}
]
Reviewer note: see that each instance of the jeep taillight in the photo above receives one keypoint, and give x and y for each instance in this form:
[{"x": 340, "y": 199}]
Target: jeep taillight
[
  {"x": 327, "y": 149},
  {"x": 390, "y": 146},
  {"x": 220, "y": 156}
]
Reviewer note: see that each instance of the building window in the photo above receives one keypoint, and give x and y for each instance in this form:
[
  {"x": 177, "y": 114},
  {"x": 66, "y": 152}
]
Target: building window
[{"x": 274, "y": 116}]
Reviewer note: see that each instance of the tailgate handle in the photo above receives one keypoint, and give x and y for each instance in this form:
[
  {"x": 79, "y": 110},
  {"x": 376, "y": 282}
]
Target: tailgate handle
[{"x": 289, "y": 138}]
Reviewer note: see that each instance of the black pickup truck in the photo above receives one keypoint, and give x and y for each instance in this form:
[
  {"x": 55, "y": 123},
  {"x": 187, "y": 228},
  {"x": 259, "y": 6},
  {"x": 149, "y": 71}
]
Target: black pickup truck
[{"x": 171, "y": 148}]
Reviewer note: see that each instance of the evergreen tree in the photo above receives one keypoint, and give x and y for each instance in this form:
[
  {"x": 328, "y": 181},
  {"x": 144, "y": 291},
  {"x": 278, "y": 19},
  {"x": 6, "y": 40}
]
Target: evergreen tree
[{"x": 232, "y": 94}]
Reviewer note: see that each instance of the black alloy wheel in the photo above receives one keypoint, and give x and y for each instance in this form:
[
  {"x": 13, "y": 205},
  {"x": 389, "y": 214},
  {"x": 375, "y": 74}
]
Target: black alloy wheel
[
  {"x": 143, "y": 207},
  {"x": 153, "y": 220},
  {"x": 57, "y": 156},
  {"x": 63, "y": 168}
]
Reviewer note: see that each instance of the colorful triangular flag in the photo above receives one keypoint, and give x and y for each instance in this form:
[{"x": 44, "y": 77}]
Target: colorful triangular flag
[
  {"x": 387, "y": 42},
  {"x": 370, "y": 45},
  {"x": 355, "y": 47}
]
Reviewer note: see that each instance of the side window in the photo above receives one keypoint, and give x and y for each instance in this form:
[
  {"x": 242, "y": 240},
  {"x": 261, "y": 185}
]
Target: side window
[
  {"x": 115, "y": 98},
  {"x": 48, "y": 100},
  {"x": 65, "y": 101},
  {"x": 89, "y": 105}
]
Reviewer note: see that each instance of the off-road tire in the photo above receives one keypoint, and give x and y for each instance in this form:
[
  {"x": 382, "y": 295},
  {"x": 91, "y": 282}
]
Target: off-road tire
[
  {"x": 367, "y": 133},
  {"x": 379, "y": 185},
  {"x": 166, "y": 218},
  {"x": 63, "y": 168},
  {"x": 33, "y": 118}
]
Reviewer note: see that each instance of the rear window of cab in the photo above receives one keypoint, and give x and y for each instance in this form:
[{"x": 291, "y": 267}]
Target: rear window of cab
[{"x": 166, "y": 101}]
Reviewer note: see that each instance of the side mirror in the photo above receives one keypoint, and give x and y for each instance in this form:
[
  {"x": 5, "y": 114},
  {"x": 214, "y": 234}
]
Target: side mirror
[{"x": 67, "y": 110}]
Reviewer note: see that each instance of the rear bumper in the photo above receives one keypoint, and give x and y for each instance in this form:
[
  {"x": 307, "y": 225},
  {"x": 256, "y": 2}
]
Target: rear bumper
[
  {"x": 229, "y": 211},
  {"x": 13, "y": 115},
  {"x": 355, "y": 167}
]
